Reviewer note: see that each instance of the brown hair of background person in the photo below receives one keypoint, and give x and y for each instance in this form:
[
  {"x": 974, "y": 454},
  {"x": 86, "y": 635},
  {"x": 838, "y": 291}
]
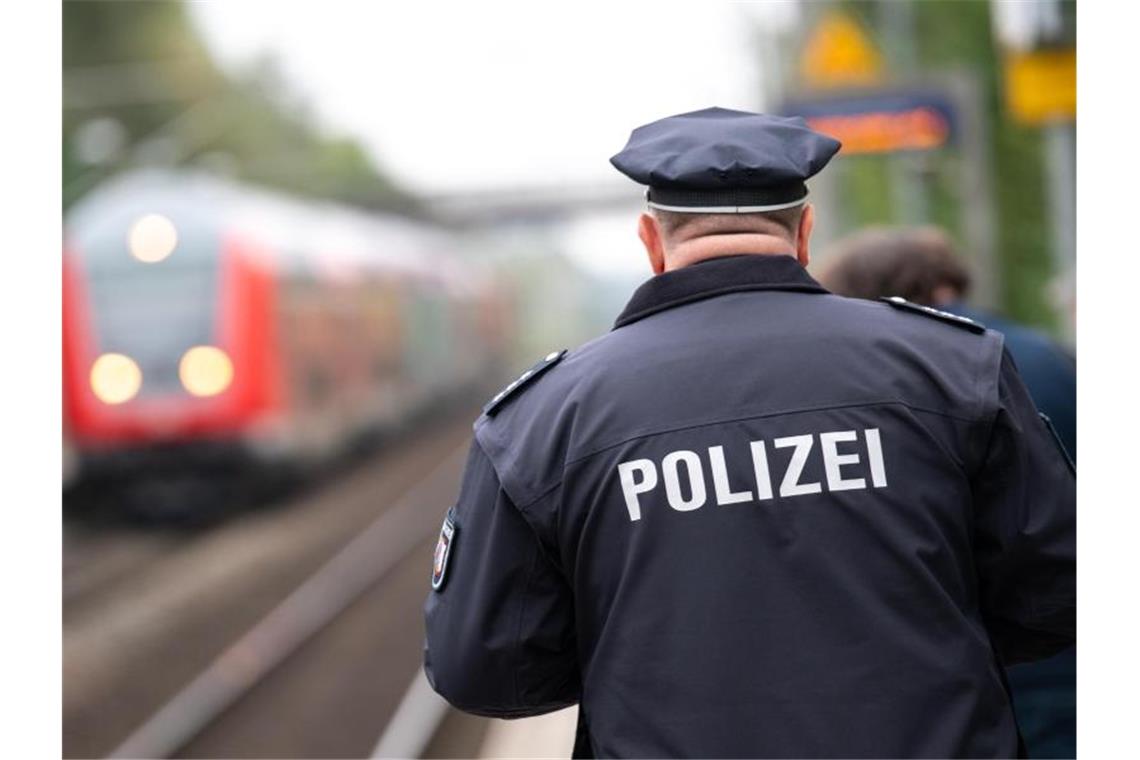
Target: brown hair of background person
[{"x": 917, "y": 263}]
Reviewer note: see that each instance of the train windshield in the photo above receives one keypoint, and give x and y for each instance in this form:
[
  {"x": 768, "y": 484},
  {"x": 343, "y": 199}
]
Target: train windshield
[{"x": 153, "y": 311}]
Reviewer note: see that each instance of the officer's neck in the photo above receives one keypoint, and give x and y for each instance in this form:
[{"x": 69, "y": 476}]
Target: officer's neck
[{"x": 706, "y": 247}]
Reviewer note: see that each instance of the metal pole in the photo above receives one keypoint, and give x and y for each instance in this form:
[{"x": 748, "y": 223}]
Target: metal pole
[
  {"x": 907, "y": 170},
  {"x": 1060, "y": 162},
  {"x": 976, "y": 191}
]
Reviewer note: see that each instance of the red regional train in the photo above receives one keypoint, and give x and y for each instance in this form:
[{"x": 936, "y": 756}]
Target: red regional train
[{"x": 209, "y": 325}]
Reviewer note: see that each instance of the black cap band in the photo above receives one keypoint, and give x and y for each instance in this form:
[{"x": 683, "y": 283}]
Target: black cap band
[{"x": 728, "y": 200}]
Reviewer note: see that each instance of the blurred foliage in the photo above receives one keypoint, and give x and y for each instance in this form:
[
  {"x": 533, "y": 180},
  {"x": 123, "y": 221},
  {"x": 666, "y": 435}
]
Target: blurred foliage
[
  {"x": 143, "y": 69},
  {"x": 866, "y": 191},
  {"x": 958, "y": 35}
]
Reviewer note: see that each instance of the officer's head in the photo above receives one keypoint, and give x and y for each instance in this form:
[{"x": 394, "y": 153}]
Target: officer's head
[
  {"x": 722, "y": 182},
  {"x": 917, "y": 263},
  {"x": 674, "y": 239}
]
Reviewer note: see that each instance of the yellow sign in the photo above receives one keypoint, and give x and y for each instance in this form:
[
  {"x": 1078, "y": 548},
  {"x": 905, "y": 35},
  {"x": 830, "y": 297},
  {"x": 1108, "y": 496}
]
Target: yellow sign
[
  {"x": 838, "y": 54},
  {"x": 1041, "y": 86}
]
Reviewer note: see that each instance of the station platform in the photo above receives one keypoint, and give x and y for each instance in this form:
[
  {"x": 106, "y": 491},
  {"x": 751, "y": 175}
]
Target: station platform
[{"x": 550, "y": 735}]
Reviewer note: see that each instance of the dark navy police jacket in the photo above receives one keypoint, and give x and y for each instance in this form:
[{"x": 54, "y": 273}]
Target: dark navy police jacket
[
  {"x": 1044, "y": 692},
  {"x": 757, "y": 519}
]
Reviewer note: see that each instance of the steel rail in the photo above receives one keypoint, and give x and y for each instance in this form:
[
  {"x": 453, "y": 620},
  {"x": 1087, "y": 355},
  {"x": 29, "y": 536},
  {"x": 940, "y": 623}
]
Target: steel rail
[
  {"x": 415, "y": 721},
  {"x": 314, "y": 604}
]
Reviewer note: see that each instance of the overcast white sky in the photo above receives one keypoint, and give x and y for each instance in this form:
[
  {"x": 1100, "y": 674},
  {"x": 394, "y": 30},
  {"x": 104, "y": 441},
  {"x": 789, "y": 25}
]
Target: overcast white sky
[{"x": 466, "y": 95}]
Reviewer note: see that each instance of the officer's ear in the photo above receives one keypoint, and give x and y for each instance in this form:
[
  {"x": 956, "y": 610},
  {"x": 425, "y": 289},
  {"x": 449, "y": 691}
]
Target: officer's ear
[
  {"x": 803, "y": 234},
  {"x": 649, "y": 230}
]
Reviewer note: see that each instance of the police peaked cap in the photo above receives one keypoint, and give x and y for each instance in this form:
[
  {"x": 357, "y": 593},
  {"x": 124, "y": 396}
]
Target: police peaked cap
[{"x": 717, "y": 160}]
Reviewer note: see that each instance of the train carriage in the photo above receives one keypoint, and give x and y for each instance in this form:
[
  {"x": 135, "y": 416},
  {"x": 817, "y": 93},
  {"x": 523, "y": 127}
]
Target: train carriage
[{"x": 207, "y": 324}]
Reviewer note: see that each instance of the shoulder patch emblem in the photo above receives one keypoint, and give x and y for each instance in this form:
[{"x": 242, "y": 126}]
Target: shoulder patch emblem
[
  {"x": 541, "y": 366},
  {"x": 928, "y": 311},
  {"x": 442, "y": 552}
]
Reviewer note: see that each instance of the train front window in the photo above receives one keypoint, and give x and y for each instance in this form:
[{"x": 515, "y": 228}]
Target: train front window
[{"x": 154, "y": 312}]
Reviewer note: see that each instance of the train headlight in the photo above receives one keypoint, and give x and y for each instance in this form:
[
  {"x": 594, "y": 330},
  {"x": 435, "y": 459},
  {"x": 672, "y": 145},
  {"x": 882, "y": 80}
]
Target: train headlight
[
  {"x": 205, "y": 371},
  {"x": 115, "y": 378},
  {"x": 152, "y": 238}
]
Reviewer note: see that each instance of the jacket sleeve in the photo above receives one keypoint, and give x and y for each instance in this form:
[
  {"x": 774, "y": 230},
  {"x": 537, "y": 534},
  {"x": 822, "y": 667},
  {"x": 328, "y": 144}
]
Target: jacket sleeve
[
  {"x": 1025, "y": 513},
  {"x": 500, "y": 629}
]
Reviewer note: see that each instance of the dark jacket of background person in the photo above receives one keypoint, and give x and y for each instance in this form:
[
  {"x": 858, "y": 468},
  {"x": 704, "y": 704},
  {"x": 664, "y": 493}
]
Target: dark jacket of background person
[
  {"x": 706, "y": 618},
  {"x": 920, "y": 265}
]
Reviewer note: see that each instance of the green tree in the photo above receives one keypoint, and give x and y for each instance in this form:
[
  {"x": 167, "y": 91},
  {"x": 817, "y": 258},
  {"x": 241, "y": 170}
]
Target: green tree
[
  {"x": 142, "y": 68},
  {"x": 957, "y": 35}
]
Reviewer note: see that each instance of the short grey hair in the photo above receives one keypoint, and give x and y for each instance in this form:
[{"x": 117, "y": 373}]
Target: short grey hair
[{"x": 678, "y": 225}]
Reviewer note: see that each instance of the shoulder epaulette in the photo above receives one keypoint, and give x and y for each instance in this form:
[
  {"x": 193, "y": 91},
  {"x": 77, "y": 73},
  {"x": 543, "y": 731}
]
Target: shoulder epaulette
[
  {"x": 954, "y": 319},
  {"x": 522, "y": 380}
]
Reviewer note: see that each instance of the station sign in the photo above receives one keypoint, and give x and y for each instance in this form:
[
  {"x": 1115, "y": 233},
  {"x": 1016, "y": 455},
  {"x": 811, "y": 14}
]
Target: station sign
[
  {"x": 1041, "y": 85},
  {"x": 883, "y": 121},
  {"x": 1039, "y": 60},
  {"x": 837, "y": 53}
]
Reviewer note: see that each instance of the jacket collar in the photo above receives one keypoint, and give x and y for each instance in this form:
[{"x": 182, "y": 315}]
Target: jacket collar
[{"x": 714, "y": 277}]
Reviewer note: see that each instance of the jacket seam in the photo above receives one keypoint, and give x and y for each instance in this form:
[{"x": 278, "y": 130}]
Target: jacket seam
[
  {"x": 987, "y": 419},
  {"x": 508, "y": 470},
  {"x": 501, "y": 470},
  {"x": 802, "y": 410},
  {"x": 546, "y": 492},
  {"x": 523, "y": 507},
  {"x": 983, "y": 371},
  {"x": 536, "y": 556}
]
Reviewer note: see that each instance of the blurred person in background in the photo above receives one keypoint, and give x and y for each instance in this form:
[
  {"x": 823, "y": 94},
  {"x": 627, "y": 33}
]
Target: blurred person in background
[
  {"x": 921, "y": 265},
  {"x": 756, "y": 519}
]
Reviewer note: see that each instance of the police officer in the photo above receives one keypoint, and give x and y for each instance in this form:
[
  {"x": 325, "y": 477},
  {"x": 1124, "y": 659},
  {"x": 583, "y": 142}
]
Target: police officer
[{"x": 756, "y": 519}]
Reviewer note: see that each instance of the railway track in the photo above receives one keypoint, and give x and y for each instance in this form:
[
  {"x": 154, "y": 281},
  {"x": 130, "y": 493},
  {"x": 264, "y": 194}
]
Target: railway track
[{"x": 292, "y": 632}]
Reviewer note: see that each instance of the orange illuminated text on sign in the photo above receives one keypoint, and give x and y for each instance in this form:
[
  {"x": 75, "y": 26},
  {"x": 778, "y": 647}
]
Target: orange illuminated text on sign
[{"x": 919, "y": 128}]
